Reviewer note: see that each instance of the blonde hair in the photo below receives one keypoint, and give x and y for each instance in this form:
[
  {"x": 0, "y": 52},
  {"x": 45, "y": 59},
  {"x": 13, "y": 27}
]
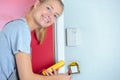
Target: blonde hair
[
  {"x": 41, "y": 32},
  {"x": 60, "y": 1}
]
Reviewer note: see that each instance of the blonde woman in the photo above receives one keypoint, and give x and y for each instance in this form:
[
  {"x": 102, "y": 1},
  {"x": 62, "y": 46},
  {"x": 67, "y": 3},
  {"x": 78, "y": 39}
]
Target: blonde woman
[{"x": 15, "y": 41}]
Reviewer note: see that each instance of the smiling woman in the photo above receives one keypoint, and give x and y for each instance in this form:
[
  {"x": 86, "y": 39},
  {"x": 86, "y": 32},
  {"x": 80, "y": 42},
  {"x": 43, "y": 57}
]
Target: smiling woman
[
  {"x": 15, "y": 41},
  {"x": 48, "y": 16}
]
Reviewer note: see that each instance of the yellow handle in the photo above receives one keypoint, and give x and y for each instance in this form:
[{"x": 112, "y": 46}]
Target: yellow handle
[{"x": 55, "y": 66}]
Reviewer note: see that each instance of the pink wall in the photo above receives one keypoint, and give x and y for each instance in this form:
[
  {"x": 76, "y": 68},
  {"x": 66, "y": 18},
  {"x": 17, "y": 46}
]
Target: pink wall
[{"x": 11, "y": 9}]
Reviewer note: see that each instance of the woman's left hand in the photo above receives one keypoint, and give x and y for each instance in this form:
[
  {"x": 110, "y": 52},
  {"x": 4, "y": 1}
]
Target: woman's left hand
[{"x": 48, "y": 73}]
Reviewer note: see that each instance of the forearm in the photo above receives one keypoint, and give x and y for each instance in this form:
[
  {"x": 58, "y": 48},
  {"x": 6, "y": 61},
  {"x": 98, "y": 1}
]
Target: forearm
[
  {"x": 39, "y": 77},
  {"x": 25, "y": 72},
  {"x": 24, "y": 66},
  {"x": 23, "y": 61},
  {"x": 33, "y": 77}
]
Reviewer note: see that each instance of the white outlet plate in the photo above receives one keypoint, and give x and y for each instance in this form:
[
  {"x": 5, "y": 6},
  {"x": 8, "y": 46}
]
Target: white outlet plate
[{"x": 73, "y": 36}]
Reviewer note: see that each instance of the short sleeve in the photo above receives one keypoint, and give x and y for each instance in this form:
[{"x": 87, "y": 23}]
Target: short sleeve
[
  {"x": 18, "y": 35},
  {"x": 21, "y": 41}
]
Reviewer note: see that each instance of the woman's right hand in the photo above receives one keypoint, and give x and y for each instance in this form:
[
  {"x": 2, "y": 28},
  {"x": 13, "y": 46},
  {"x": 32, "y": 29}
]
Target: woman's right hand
[{"x": 48, "y": 73}]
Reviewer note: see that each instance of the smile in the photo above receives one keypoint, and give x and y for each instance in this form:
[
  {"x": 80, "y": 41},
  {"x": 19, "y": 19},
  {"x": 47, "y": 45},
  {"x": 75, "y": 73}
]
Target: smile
[{"x": 45, "y": 19}]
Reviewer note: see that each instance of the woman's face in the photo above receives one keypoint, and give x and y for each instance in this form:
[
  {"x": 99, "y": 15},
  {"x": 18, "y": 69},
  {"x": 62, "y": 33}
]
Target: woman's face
[{"x": 47, "y": 12}]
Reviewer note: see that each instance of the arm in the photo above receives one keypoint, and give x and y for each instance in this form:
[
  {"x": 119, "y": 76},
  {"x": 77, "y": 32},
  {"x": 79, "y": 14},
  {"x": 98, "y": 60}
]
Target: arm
[
  {"x": 25, "y": 72},
  {"x": 24, "y": 66}
]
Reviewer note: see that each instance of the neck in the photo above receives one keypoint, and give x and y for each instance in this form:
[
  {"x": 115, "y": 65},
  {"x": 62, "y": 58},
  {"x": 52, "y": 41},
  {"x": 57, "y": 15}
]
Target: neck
[{"x": 30, "y": 21}]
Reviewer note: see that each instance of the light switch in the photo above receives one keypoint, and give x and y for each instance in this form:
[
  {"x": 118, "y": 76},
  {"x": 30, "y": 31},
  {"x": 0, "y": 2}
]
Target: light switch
[{"x": 73, "y": 37}]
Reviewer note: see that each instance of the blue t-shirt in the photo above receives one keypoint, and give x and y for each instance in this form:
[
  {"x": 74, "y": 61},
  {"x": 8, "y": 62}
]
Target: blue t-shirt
[{"x": 14, "y": 37}]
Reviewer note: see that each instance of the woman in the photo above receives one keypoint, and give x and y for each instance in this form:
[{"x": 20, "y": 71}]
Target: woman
[{"x": 15, "y": 41}]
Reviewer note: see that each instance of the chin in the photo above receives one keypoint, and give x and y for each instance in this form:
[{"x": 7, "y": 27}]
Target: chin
[{"x": 45, "y": 25}]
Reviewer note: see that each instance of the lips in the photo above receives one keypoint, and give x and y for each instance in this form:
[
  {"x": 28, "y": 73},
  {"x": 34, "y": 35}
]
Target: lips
[{"x": 45, "y": 19}]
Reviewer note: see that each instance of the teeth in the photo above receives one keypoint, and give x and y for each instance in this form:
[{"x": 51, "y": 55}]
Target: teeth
[{"x": 45, "y": 19}]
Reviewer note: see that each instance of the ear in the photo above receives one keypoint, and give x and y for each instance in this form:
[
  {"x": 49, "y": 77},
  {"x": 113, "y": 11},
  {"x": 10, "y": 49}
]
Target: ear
[{"x": 37, "y": 3}]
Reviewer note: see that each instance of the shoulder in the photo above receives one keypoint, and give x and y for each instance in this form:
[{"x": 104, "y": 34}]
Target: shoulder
[{"x": 16, "y": 25}]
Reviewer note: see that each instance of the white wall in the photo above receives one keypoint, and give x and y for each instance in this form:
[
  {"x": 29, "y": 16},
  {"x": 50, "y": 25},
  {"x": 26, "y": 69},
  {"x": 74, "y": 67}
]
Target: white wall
[{"x": 99, "y": 51}]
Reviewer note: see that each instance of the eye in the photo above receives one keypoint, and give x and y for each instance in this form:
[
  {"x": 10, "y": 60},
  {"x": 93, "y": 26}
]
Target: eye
[
  {"x": 48, "y": 8},
  {"x": 55, "y": 16}
]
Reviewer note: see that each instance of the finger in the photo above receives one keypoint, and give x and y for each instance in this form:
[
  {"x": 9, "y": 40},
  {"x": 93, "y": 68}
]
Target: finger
[
  {"x": 49, "y": 73},
  {"x": 55, "y": 71},
  {"x": 70, "y": 77}
]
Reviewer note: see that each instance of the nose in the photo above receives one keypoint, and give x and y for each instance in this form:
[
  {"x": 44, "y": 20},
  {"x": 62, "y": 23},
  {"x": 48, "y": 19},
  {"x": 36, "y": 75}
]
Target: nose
[{"x": 51, "y": 17}]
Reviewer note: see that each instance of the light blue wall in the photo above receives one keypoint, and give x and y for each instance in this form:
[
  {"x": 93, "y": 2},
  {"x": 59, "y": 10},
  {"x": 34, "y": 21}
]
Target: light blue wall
[{"x": 99, "y": 51}]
